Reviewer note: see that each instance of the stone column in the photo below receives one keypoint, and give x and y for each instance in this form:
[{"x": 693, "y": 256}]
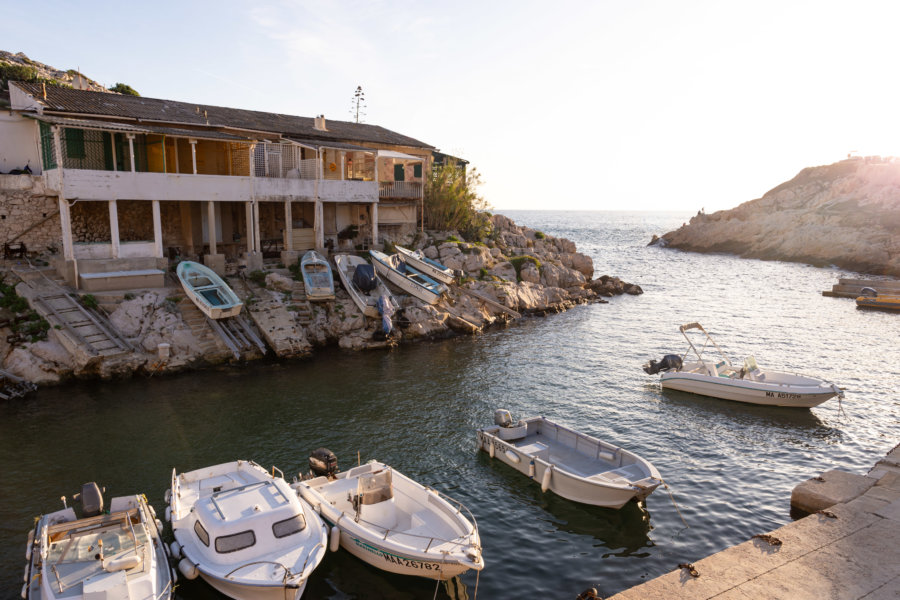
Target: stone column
[
  {"x": 157, "y": 230},
  {"x": 114, "y": 228},
  {"x": 211, "y": 225},
  {"x": 288, "y": 255},
  {"x": 375, "y": 225},
  {"x": 131, "y": 150},
  {"x": 65, "y": 218}
]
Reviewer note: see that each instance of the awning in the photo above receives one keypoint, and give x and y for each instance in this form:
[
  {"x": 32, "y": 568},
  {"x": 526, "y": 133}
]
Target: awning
[
  {"x": 316, "y": 144},
  {"x": 400, "y": 155},
  {"x": 127, "y": 128}
]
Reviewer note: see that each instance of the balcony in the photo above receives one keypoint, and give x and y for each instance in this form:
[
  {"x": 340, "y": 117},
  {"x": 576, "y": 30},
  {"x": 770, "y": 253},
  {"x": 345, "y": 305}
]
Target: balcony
[{"x": 400, "y": 189}]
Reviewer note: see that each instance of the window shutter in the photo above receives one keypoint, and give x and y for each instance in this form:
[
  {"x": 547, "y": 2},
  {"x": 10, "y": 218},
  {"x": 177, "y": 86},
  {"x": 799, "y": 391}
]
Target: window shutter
[
  {"x": 399, "y": 174},
  {"x": 417, "y": 170}
]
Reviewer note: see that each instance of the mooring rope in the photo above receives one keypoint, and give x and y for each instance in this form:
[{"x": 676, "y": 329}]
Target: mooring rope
[{"x": 666, "y": 485}]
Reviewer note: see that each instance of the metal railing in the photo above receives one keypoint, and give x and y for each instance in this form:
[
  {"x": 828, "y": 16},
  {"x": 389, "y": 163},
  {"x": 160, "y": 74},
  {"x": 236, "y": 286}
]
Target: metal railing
[{"x": 400, "y": 189}]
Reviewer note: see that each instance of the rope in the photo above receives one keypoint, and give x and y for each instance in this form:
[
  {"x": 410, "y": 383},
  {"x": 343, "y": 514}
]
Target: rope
[
  {"x": 666, "y": 485},
  {"x": 477, "y": 577},
  {"x": 437, "y": 584}
]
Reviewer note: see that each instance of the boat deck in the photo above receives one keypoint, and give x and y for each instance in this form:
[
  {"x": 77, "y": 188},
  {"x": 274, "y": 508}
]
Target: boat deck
[{"x": 577, "y": 463}]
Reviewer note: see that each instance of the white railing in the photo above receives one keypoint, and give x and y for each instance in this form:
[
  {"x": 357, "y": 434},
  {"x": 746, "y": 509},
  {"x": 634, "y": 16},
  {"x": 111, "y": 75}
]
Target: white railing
[
  {"x": 282, "y": 161},
  {"x": 399, "y": 189}
]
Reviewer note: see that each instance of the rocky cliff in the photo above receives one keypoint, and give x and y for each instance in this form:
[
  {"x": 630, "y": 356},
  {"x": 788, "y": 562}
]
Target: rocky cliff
[{"x": 845, "y": 214}]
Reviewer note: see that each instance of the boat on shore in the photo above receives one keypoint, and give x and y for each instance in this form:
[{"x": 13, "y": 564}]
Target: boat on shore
[
  {"x": 870, "y": 298},
  {"x": 106, "y": 553},
  {"x": 391, "y": 521},
  {"x": 569, "y": 463},
  {"x": 718, "y": 378},
  {"x": 208, "y": 291},
  {"x": 244, "y": 531},
  {"x": 362, "y": 283},
  {"x": 406, "y": 277},
  {"x": 417, "y": 260},
  {"x": 317, "y": 277}
]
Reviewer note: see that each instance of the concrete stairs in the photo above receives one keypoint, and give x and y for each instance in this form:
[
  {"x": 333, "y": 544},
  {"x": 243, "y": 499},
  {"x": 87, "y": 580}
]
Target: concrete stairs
[
  {"x": 852, "y": 288},
  {"x": 302, "y": 309},
  {"x": 202, "y": 332}
]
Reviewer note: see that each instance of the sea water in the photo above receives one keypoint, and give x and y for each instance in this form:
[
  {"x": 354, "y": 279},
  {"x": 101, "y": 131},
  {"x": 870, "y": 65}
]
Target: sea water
[{"x": 730, "y": 467}]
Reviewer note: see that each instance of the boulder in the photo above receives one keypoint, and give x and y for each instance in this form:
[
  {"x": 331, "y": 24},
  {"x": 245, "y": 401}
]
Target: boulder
[
  {"x": 583, "y": 263},
  {"x": 431, "y": 252},
  {"x": 530, "y": 273},
  {"x": 279, "y": 282},
  {"x": 504, "y": 270}
]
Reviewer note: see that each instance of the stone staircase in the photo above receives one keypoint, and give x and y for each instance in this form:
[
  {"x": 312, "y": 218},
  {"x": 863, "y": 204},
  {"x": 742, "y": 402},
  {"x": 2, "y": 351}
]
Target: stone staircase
[
  {"x": 202, "y": 332},
  {"x": 299, "y": 306}
]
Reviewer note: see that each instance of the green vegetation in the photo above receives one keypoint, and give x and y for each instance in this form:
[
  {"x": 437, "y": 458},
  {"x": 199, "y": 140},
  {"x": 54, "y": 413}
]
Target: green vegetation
[
  {"x": 30, "y": 324},
  {"x": 11, "y": 299},
  {"x": 89, "y": 301},
  {"x": 453, "y": 238},
  {"x": 258, "y": 277},
  {"x": 296, "y": 274},
  {"x": 482, "y": 273},
  {"x": 123, "y": 88},
  {"x": 451, "y": 202},
  {"x": 518, "y": 261},
  {"x": 540, "y": 235},
  {"x": 389, "y": 247}
]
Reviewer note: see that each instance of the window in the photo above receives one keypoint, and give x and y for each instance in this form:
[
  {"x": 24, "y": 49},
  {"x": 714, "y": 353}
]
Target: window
[
  {"x": 74, "y": 143},
  {"x": 417, "y": 170},
  {"x": 289, "y": 526},
  {"x": 201, "y": 533},
  {"x": 235, "y": 542},
  {"x": 399, "y": 173}
]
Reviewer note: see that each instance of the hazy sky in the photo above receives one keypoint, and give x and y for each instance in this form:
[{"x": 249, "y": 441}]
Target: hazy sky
[{"x": 565, "y": 105}]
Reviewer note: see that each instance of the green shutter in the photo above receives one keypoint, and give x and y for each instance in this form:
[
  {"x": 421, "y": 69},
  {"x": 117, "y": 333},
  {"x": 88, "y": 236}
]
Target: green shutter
[
  {"x": 399, "y": 174},
  {"x": 74, "y": 143},
  {"x": 107, "y": 151},
  {"x": 417, "y": 170},
  {"x": 48, "y": 156}
]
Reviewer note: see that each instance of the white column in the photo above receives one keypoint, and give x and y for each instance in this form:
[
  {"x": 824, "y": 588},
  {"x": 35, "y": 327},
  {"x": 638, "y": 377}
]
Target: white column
[
  {"x": 374, "y": 224},
  {"x": 318, "y": 224},
  {"x": 112, "y": 144},
  {"x": 157, "y": 230},
  {"x": 256, "y": 226},
  {"x": 131, "y": 150},
  {"x": 193, "y": 144},
  {"x": 343, "y": 157},
  {"x": 249, "y": 227},
  {"x": 114, "y": 228},
  {"x": 65, "y": 218},
  {"x": 211, "y": 225},
  {"x": 422, "y": 196},
  {"x": 288, "y": 226}
]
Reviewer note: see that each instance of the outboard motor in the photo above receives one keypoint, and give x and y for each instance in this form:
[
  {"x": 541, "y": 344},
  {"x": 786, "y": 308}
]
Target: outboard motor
[
  {"x": 91, "y": 499},
  {"x": 323, "y": 463},
  {"x": 502, "y": 418},
  {"x": 364, "y": 278},
  {"x": 669, "y": 362},
  {"x": 386, "y": 308}
]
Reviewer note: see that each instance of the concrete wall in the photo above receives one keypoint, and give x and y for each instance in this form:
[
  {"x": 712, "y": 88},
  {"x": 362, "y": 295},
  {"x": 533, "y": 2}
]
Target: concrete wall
[
  {"x": 26, "y": 207},
  {"x": 19, "y": 144}
]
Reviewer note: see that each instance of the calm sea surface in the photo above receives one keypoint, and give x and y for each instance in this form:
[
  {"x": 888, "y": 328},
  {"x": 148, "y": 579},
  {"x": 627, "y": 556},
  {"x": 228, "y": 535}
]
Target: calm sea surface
[{"x": 731, "y": 467}]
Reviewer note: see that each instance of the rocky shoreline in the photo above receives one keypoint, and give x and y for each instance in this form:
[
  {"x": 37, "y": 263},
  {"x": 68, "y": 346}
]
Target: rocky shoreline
[
  {"x": 515, "y": 270},
  {"x": 845, "y": 214}
]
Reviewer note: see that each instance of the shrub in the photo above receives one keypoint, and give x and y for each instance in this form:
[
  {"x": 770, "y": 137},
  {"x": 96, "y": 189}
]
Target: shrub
[
  {"x": 518, "y": 261},
  {"x": 129, "y": 296},
  {"x": 453, "y": 238},
  {"x": 540, "y": 235},
  {"x": 482, "y": 273},
  {"x": 89, "y": 301},
  {"x": 296, "y": 274},
  {"x": 451, "y": 201},
  {"x": 123, "y": 88},
  {"x": 258, "y": 277}
]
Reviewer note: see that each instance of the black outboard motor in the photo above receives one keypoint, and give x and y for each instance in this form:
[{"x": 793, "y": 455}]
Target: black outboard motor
[
  {"x": 323, "y": 462},
  {"x": 364, "y": 277},
  {"x": 669, "y": 362},
  {"x": 91, "y": 499}
]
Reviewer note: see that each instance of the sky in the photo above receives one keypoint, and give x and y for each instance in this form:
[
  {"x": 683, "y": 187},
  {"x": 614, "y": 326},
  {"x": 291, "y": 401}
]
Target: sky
[{"x": 602, "y": 105}]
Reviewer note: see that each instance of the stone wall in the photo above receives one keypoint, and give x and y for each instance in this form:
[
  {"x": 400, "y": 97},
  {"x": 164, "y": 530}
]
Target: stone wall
[
  {"x": 90, "y": 222},
  {"x": 135, "y": 220},
  {"x": 28, "y": 214}
]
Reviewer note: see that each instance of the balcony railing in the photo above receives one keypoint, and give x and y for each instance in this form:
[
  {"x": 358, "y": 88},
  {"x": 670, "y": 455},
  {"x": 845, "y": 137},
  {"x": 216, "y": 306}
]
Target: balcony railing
[{"x": 400, "y": 189}]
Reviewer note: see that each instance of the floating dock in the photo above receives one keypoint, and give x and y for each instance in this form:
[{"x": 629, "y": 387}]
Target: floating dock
[
  {"x": 849, "y": 549},
  {"x": 852, "y": 288}
]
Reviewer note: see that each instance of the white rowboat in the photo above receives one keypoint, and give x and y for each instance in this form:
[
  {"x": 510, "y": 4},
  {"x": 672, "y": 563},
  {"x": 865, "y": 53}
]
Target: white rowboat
[
  {"x": 718, "y": 378},
  {"x": 366, "y": 300},
  {"x": 417, "y": 260},
  {"x": 317, "y": 276},
  {"x": 394, "y": 523},
  {"x": 569, "y": 463},
  {"x": 407, "y": 278},
  {"x": 208, "y": 291}
]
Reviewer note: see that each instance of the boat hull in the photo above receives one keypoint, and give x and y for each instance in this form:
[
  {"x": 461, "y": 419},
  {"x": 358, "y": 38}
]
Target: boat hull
[
  {"x": 345, "y": 264},
  {"x": 879, "y": 303},
  {"x": 444, "y": 275},
  {"x": 317, "y": 278},
  {"x": 749, "y": 392},
  {"x": 254, "y": 592},
  {"x": 216, "y": 300},
  {"x": 584, "y": 487},
  {"x": 404, "y": 283}
]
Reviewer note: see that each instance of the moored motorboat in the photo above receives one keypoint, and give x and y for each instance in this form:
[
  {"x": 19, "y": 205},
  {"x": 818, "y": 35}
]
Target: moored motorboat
[
  {"x": 871, "y": 298},
  {"x": 362, "y": 283},
  {"x": 718, "y": 378},
  {"x": 317, "y": 276},
  {"x": 115, "y": 553},
  {"x": 406, "y": 277},
  {"x": 208, "y": 291},
  {"x": 244, "y": 531},
  {"x": 569, "y": 463},
  {"x": 417, "y": 260},
  {"x": 391, "y": 521}
]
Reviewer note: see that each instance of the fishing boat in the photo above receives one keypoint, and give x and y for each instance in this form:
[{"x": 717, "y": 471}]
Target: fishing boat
[
  {"x": 718, "y": 378},
  {"x": 244, "y": 531},
  {"x": 317, "y": 276},
  {"x": 569, "y": 463},
  {"x": 362, "y": 283},
  {"x": 417, "y": 260},
  {"x": 406, "y": 277},
  {"x": 113, "y": 552},
  {"x": 207, "y": 290},
  {"x": 870, "y": 298},
  {"x": 390, "y": 521}
]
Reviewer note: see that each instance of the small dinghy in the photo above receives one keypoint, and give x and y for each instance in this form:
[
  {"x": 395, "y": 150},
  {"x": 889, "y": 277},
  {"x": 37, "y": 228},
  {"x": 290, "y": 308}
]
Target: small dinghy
[
  {"x": 362, "y": 283},
  {"x": 244, "y": 531},
  {"x": 717, "y": 378},
  {"x": 115, "y": 553},
  {"x": 407, "y": 278},
  {"x": 207, "y": 290},
  {"x": 573, "y": 465},
  {"x": 417, "y": 260},
  {"x": 390, "y": 521},
  {"x": 870, "y": 298},
  {"x": 317, "y": 276}
]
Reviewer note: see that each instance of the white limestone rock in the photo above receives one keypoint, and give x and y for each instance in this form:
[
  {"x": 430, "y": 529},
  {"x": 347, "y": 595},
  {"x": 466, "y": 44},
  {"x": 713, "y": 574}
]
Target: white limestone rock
[
  {"x": 504, "y": 270},
  {"x": 279, "y": 282},
  {"x": 530, "y": 273}
]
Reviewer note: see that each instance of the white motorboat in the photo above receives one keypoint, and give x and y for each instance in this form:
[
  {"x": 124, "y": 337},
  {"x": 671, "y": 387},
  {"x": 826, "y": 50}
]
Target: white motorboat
[
  {"x": 244, "y": 531},
  {"x": 407, "y": 278},
  {"x": 390, "y": 521},
  {"x": 420, "y": 262},
  {"x": 208, "y": 291},
  {"x": 718, "y": 378},
  {"x": 317, "y": 278},
  {"x": 569, "y": 463},
  {"x": 362, "y": 283},
  {"x": 116, "y": 554}
]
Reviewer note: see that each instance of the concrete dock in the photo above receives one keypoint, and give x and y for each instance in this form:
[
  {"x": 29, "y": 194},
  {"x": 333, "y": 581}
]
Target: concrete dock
[{"x": 850, "y": 549}]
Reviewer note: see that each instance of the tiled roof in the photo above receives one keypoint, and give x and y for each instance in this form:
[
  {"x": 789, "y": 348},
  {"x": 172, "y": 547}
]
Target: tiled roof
[{"x": 66, "y": 100}]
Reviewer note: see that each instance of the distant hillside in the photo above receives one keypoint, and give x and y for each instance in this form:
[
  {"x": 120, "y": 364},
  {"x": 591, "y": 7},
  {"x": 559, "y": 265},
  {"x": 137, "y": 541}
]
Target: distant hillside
[
  {"x": 846, "y": 214},
  {"x": 20, "y": 67}
]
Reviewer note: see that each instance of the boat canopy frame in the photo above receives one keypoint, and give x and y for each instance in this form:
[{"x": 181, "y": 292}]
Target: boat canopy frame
[{"x": 694, "y": 325}]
